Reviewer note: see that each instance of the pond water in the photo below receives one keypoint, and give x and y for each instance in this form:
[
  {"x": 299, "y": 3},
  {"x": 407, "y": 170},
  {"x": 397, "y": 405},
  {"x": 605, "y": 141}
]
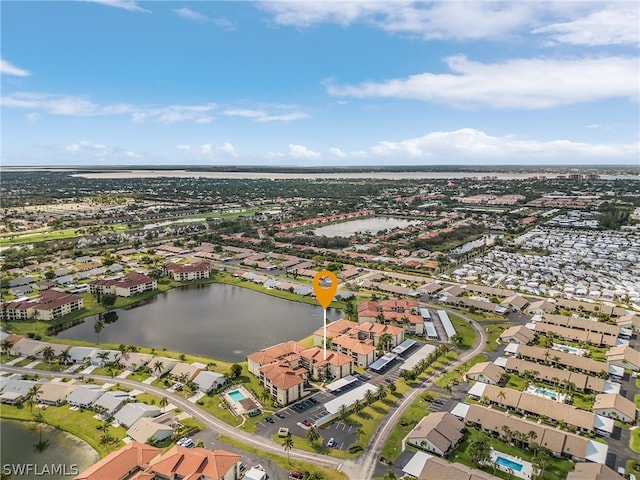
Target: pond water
[
  {"x": 218, "y": 321},
  {"x": 63, "y": 458},
  {"x": 371, "y": 224}
]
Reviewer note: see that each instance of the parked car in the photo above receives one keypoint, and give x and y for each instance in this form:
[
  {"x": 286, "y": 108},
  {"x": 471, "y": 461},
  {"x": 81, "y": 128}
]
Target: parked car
[
  {"x": 306, "y": 423},
  {"x": 189, "y": 443},
  {"x": 243, "y": 466},
  {"x": 331, "y": 443},
  {"x": 269, "y": 419},
  {"x": 296, "y": 475},
  {"x": 181, "y": 441},
  {"x": 279, "y": 415},
  {"x": 313, "y": 400}
]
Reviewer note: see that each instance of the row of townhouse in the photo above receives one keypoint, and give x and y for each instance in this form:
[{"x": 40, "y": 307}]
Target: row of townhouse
[
  {"x": 49, "y": 305},
  {"x": 187, "y": 272}
]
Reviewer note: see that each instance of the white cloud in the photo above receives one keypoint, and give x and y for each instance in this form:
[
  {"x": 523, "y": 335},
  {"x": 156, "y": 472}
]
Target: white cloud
[
  {"x": 129, "y": 5},
  {"x": 194, "y": 16},
  {"x": 263, "y": 116},
  {"x": 616, "y": 24},
  {"x": 7, "y": 68},
  {"x": 99, "y": 151},
  {"x": 518, "y": 83},
  {"x": 189, "y": 14},
  {"x": 33, "y": 117},
  {"x": 302, "y": 152},
  {"x": 337, "y": 152},
  {"x": 208, "y": 150},
  {"x": 468, "y": 144},
  {"x": 429, "y": 20}
]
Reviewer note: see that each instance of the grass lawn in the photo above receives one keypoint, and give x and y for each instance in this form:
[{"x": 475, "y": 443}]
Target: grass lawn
[
  {"x": 515, "y": 382},
  {"x": 326, "y": 472},
  {"x": 636, "y": 399},
  {"x": 463, "y": 330},
  {"x": 583, "y": 401},
  {"x": 493, "y": 332},
  {"x": 23, "y": 362},
  {"x": 412, "y": 415},
  {"x": 634, "y": 443},
  {"x": 454, "y": 374},
  {"x": 555, "y": 469},
  {"x": 78, "y": 423},
  {"x": 51, "y": 367},
  {"x": 148, "y": 398}
]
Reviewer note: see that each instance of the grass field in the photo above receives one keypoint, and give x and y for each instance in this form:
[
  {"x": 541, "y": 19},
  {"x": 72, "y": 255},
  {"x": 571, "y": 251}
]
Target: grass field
[
  {"x": 463, "y": 330},
  {"x": 452, "y": 375},
  {"x": 634, "y": 442}
]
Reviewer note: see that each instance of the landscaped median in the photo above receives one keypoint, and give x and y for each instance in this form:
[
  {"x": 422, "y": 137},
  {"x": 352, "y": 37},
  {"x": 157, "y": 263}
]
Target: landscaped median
[
  {"x": 325, "y": 472},
  {"x": 366, "y": 420}
]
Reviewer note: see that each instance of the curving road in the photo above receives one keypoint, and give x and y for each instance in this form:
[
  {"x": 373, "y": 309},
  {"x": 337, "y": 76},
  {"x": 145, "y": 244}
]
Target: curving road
[
  {"x": 364, "y": 466},
  {"x": 360, "y": 468}
]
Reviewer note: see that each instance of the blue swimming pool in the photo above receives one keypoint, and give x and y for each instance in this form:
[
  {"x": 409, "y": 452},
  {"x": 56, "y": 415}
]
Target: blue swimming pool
[
  {"x": 546, "y": 393},
  {"x": 236, "y": 395},
  {"x": 506, "y": 463}
]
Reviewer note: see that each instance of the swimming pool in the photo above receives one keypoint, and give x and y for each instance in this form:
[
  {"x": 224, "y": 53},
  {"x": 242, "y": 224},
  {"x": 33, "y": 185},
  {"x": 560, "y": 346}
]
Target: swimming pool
[
  {"x": 236, "y": 395},
  {"x": 546, "y": 393},
  {"x": 506, "y": 463}
]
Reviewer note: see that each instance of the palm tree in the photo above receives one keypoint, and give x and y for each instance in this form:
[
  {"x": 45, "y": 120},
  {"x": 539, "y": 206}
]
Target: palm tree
[
  {"x": 359, "y": 433},
  {"x": 158, "y": 366},
  {"x": 369, "y": 397},
  {"x": 313, "y": 434},
  {"x": 164, "y": 401},
  {"x": 48, "y": 353},
  {"x": 507, "y": 432},
  {"x": 501, "y": 396},
  {"x": 288, "y": 445},
  {"x": 385, "y": 341},
  {"x": 33, "y": 395},
  {"x": 357, "y": 406},
  {"x": 98, "y": 326},
  {"x": 343, "y": 412},
  {"x": 7, "y": 345},
  {"x": 103, "y": 355},
  {"x": 64, "y": 357},
  {"x": 265, "y": 395},
  {"x": 531, "y": 436},
  {"x": 382, "y": 391}
]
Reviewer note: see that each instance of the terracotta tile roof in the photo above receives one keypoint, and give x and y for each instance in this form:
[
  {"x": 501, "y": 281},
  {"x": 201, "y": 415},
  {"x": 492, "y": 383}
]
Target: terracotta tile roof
[
  {"x": 316, "y": 354},
  {"x": 276, "y": 352},
  {"x": 282, "y": 376},
  {"x": 194, "y": 463},
  {"x": 118, "y": 464},
  {"x": 192, "y": 267},
  {"x": 354, "y": 345}
]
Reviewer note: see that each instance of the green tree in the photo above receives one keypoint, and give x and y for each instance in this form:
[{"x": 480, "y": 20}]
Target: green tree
[
  {"x": 108, "y": 300},
  {"x": 313, "y": 434},
  {"x": 7, "y": 345},
  {"x": 287, "y": 444},
  {"x": 479, "y": 450},
  {"x": 236, "y": 370},
  {"x": 48, "y": 353},
  {"x": 343, "y": 412},
  {"x": 98, "y": 326}
]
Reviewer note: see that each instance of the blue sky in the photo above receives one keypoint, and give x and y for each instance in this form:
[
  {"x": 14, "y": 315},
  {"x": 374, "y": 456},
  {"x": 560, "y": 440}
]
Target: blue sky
[{"x": 120, "y": 82}]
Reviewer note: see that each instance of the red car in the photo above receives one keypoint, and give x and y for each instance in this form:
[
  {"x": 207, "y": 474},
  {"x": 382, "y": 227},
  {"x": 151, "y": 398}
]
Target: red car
[
  {"x": 306, "y": 423},
  {"x": 297, "y": 475}
]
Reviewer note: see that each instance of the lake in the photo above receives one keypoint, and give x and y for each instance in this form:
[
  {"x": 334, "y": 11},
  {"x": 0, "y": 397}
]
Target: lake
[
  {"x": 218, "y": 321},
  {"x": 371, "y": 224},
  {"x": 64, "y": 457}
]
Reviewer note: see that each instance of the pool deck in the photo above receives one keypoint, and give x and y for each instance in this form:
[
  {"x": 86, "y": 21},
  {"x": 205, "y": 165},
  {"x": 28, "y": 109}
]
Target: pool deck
[
  {"x": 560, "y": 397},
  {"x": 235, "y": 406},
  {"x": 527, "y": 468}
]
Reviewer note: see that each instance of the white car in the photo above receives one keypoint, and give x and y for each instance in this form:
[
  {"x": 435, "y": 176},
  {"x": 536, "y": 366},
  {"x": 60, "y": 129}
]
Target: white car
[{"x": 189, "y": 443}]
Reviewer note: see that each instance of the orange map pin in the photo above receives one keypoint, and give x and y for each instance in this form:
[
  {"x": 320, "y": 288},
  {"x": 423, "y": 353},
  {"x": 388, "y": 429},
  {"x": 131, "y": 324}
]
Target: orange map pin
[{"x": 325, "y": 294}]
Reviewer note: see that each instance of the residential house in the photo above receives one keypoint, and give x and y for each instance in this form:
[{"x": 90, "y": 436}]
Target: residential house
[
  {"x": 438, "y": 432},
  {"x": 85, "y": 396},
  {"x": 18, "y": 310},
  {"x": 110, "y": 402},
  {"x": 487, "y": 372},
  {"x": 592, "y": 471},
  {"x": 436, "y": 468},
  {"x": 195, "y": 463},
  {"x": 207, "y": 381},
  {"x": 184, "y": 372},
  {"x": 100, "y": 358},
  {"x": 132, "y": 412},
  {"x": 568, "y": 360},
  {"x": 55, "y": 393},
  {"x": 518, "y": 334},
  {"x": 15, "y": 391},
  {"x": 515, "y": 303},
  {"x": 364, "y": 353},
  {"x": 625, "y": 357},
  {"x": 134, "y": 360},
  {"x": 272, "y": 354},
  {"x": 147, "y": 430},
  {"x": 615, "y": 406},
  {"x": 284, "y": 379},
  {"x": 160, "y": 366},
  {"x": 81, "y": 355}
]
